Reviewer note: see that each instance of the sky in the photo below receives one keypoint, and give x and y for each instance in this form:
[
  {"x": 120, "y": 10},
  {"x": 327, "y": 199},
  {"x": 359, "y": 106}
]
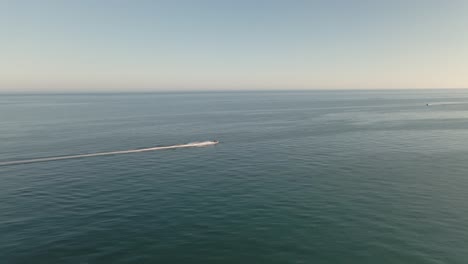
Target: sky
[{"x": 140, "y": 45}]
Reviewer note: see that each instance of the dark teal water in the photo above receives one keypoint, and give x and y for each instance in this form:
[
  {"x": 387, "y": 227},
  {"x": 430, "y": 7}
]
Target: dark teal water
[{"x": 299, "y": 177}]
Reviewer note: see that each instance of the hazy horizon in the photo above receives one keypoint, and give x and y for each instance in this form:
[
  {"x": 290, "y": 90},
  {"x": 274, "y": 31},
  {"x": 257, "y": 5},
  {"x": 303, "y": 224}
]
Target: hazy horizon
[{"x": 107, "y": 46}]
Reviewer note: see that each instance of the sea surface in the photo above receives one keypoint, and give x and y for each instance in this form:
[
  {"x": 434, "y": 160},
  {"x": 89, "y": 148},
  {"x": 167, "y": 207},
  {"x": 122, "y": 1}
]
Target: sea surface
[{"x": 298, "y": 177}]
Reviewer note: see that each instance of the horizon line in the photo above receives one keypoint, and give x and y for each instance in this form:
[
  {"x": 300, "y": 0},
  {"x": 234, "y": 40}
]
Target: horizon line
[{"x": 104, "y": 92}]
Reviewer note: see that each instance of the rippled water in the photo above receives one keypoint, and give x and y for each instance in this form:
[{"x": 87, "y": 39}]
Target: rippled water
[{"x": 299, "y": 177}]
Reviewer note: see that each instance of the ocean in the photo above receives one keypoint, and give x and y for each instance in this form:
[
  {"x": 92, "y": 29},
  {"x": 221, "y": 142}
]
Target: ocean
[{"x": 298, "y": 177}]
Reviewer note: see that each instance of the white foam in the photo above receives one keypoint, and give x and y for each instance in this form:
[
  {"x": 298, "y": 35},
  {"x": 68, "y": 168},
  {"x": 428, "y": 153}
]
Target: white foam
[
  {"x": 446, "y": 103},
  {"x": 188, "y": 145}
]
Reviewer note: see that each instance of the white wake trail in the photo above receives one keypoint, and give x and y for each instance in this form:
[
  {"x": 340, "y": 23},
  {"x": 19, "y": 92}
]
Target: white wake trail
[{"x": 188, "y": 145}]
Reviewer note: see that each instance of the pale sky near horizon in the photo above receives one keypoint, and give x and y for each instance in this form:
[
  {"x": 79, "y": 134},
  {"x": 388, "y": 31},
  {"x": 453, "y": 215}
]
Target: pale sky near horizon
[{"x": 119, "y": 45}]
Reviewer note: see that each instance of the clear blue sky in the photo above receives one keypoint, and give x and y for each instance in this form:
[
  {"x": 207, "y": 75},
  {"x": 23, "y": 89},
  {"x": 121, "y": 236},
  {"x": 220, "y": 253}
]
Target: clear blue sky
[{"x": 141, "y": 45}]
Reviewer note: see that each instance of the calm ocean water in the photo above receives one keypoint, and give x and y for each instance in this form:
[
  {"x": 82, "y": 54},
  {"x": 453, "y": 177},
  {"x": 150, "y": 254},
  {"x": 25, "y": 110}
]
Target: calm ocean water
[{"x": 299, "y": 177}]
